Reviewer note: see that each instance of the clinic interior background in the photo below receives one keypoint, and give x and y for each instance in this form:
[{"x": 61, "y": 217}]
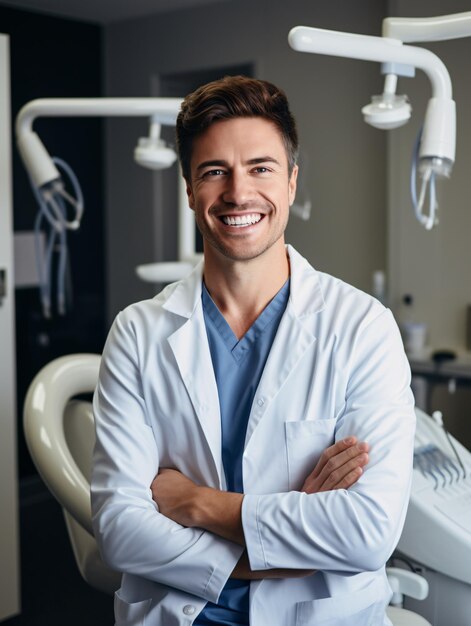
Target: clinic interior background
[{"x": 355, "y": 176}]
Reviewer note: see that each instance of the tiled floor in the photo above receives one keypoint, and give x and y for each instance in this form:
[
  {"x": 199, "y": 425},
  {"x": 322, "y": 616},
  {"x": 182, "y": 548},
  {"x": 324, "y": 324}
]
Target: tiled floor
[{"x": 53, "y": 592}]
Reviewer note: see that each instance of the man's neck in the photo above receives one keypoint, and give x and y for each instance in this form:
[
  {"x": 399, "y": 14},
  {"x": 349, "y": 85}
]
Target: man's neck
[{"x": 242, "y": 289}]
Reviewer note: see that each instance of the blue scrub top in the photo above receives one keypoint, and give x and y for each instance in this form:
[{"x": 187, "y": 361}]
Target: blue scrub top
[{"x": 238, "y": 367}]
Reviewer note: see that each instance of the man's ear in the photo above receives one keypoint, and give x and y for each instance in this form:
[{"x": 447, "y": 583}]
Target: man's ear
[
  {"x": 292, "y": 184},
  {"x": 189, "y": 193}
]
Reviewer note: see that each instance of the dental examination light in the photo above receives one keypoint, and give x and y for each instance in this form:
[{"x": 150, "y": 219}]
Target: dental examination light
[
  {"x": 152, "y": 152},
  {"x": 56, "y": 203},
  {"x": 434, "y": 151}
]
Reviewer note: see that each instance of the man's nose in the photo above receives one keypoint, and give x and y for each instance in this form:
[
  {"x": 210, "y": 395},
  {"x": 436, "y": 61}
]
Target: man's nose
[{"x": 238, "y": 188}]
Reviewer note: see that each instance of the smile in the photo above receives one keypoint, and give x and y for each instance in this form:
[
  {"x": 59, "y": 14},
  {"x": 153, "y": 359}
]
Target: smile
[{"x": 241, "y": 220}]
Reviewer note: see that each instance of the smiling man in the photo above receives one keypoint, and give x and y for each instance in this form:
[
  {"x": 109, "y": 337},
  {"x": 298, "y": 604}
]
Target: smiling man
[{"x": 232, "y": 481}]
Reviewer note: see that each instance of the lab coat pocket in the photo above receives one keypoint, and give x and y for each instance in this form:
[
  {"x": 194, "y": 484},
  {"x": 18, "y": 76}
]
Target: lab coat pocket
[
  {"x": 365, "y": 607},
  {"x": 130, "y": 613},
  {"x": 305, "y": 442}
]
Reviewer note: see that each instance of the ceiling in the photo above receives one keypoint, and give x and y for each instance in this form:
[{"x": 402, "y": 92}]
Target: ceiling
[{"x": 105, "y": 11}]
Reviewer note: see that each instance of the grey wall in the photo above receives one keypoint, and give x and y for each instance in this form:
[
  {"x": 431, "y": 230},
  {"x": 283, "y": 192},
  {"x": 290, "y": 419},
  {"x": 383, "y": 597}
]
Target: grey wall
[{"x": 346, "y": 235}]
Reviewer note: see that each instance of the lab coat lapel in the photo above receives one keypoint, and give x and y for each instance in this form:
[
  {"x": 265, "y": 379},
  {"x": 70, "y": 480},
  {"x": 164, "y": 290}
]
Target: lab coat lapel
[
  {"x": 293, "y": 338},
  {"x": 189, "y": 344},
  {"x": 291, "y": 342}
]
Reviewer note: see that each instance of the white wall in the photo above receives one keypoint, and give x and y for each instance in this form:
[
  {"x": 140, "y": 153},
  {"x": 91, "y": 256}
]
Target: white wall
[
  {"x": 9, "y": 529},
  {"x": 433, "y": 266},
  {"x": 346, "y": 235}
]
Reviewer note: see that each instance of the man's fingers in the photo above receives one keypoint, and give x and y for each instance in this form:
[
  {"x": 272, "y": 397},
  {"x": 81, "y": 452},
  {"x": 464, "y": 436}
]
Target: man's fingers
[
  {"x": 340, "y": 459},
  {"x": 336, "y": 479},
  {"x": 350, "y": 479},
  {"x": 332, "y": 470},
  {"x": 337, "y": 447},
  {"x": 338, "y": 454}
]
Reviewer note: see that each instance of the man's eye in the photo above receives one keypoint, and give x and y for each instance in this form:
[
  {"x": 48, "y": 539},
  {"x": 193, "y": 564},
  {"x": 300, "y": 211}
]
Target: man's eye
[
  {"x": 214, "y": 173},
  {"x": 261, "y": 170}
]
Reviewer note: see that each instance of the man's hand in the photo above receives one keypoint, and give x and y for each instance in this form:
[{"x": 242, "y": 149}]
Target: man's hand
[
  {"x": 175, "y": 495},
  {"x": 191, "y": 505},
  {"x": 339, "y": 467}
]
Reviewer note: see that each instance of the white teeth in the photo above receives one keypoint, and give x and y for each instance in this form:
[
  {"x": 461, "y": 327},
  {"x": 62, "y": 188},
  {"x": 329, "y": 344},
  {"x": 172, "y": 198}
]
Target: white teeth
[{"x": 242, "y": 220}]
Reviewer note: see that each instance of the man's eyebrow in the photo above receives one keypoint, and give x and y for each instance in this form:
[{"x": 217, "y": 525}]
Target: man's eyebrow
[
  {"x": 211, "y": 163},
  {"x": 263, "y": 159},
  {"x": 222, "y": 163}
]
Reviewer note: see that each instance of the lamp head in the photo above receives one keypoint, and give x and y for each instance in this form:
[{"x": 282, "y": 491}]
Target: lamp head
[
  {"x": 153, "y": 153},
  {"x": 387, "y": 111}
]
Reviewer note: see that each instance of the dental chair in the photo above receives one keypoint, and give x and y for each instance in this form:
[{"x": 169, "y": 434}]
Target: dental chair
[{"x": 60, "y": 434}]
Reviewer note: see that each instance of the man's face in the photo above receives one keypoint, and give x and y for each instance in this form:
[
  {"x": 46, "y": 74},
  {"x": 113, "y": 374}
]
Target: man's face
[{"x": 240, "y": 189}]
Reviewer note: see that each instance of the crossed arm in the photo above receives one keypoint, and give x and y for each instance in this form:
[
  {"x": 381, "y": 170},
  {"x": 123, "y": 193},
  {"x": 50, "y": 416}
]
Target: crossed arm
[{"x": 219, "y": 512}]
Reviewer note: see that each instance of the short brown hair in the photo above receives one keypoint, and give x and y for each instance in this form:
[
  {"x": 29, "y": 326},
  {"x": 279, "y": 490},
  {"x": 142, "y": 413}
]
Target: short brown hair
[{"x": 230, "y": 97}]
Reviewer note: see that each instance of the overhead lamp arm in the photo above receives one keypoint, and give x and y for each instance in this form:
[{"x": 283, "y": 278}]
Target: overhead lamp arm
[
  {"x": 436, "y": 149},
  {"x": 35, "y": 156},
  {"x": 421, "y": 29},
  {"x": 440, "y": 122},
  {"x": 55, "y": 202},
  {"x": 371, "y": 48}
]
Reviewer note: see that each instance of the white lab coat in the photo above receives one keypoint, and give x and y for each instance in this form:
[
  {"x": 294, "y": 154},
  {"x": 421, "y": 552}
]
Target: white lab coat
[{"x": 336, "y": 368}]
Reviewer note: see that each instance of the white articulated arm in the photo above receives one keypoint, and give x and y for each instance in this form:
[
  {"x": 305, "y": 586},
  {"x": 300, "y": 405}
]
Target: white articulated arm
[
  {"x": 35, "y": 156},
  {"x": 370, "y": 48},
  {"x": 420, "y": 29},
  {"x": 436, "y": 148}
]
